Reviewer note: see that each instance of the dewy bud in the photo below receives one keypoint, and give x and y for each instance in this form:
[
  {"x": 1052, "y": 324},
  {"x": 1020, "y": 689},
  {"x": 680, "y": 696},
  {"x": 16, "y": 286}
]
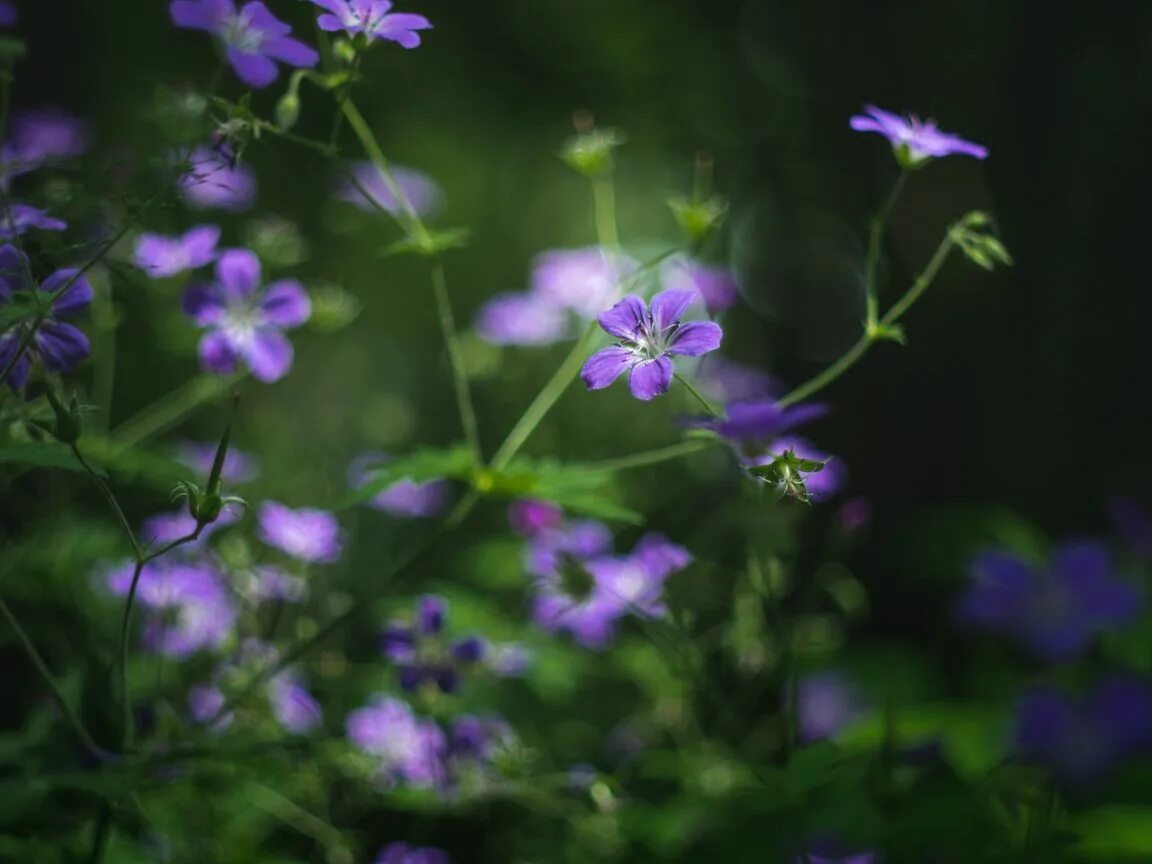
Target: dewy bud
[{"x": 288, "y": 110}]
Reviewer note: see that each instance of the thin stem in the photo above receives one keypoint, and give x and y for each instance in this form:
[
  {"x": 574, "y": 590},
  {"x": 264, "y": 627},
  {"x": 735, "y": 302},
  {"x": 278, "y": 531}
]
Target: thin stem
[
  {"x": 651, "y": 457},
  {"x": 604, "y": 208},
  {"x": 823, "y": 379},
  {"x": 926, "y": 278},
  {"x": 291, "y": 813},
  {"x": 110, "y": 497},
  {"x": 312, "y": 144},
  {"x": 875, "y": 236},
  {"x": 169, "y": 410},
  {"x": 53, "y": 685},
  {"x": 698, "y": 396},
  {"x": 456, "y": 360}
]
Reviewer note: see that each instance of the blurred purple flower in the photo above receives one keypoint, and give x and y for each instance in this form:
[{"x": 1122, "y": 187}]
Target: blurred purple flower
[
  {"x": 214, "y": 182},
  {"x": 420, "y": 191},
  {"x": 585, "y": 280},
  {"x": 509, "y": 660},
  {"x": 8, "y": 14},
  {"x": 1055, "y": 610},
  {"x": 728, "y": 381},
  {"x": 373, "y": 19},
  {"x": 408, "y": 749},
  {"x": 205, "y": 702},
  {"x": 821, "y": 485},
  {"x": 919, "y": 139},
  {"x": 715, "y": 285},
  {"x": 39, "y": 137},
  {"x": 1081, "y": 741},
  {"x": 648, "y": 338},
  {"x": 636, "y": 581},
  {"x": 404, "y": 498},
  {"x": 1133, "y": 522},
  {"x": 264, "y": 583},
  {"x": 751, "y": 426},
  {"x": 239, "y": 467},
  {"x": 161, "y": 256},
  {"x": 566, "y": 595},
  {"x": 19, "y": 218},
  {"x": 826, "y": 702},
  {"x": 244, "y": 321},
  {"x": 522, "y": 318},
  {"x": 172, "y": 525},
  {"x": 855, "y": 515},
  {"x": 402, "y": 853},
  {"x": 58, "y": 345},
  {"x": 306, "y": 534},
  {"x": 473, "y": 745},
  {"x": 253, "y": 39},
  {"x": 529, "y": 516},
  {"x": 294, "y": 708},
  {"x": 420, "y": 652}
]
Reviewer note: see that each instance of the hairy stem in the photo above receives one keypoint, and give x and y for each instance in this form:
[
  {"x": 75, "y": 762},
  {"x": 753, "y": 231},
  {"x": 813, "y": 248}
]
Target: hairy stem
[
  {"x": 456, "y": 360},
  {"x": 875, "y": 237},
  {"x": 712, "y": 410}
]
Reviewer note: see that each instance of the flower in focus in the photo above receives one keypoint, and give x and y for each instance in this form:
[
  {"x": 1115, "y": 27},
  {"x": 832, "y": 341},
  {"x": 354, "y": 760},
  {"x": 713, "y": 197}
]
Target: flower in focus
[
  {"x": 306, "y": 534},
  {"x": 214, "y": 182},
  {"x": 19, "y": 218},
  {"x": 40, "y": 137},
  {"x": 584, "y": 280},
  {"x": 421, "y": 194},
  {"x": 522, "y": 318},
  {"x": 239, "y": 467},
  {"x": 161, "y": 256},
  {"x": 648, "y": 337},
  {"x": 57, "y": 344},
  {"x": 716, "y": 285},
  {"x": 402, "y": 853},
  {"x": 404, "y": 498},
  {"x": 253, "y": 39},
  {"x": 1081, "y": 741},
  {"x": 1055, "y": 610},
  {"x": 405, "y": 747},
  {"x": 422, "y": 655},
  {"x": 243, "y": 321},
  {"x": 529, "y": 516},
  {"x": 818, "y": 485},
  {"x": 826, "y": 702},
  {"x": 374, "y": 19},
  {"x": 915, "y": 141}
]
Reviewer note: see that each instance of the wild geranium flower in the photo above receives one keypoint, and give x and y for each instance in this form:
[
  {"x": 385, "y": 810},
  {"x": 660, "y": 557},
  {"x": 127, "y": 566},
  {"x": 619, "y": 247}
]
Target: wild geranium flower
[
  {"x": 292, "y": 706},
  {"x": 648, "y": 338},
  {"x": 406, "y": 499},
  {"x": 253, "y": 38},
  {"x": 161, "y": 256},
  {"x": 566, "y": 594},
  {"x": 265, "y": 583},
  {"x": 406, "y": 748},
  {"x": 716, "y": 285},
  {"x": 522, "y": 318},
  {"x": 420, "y": 652},
  {"x": 585, "y": 281},
  {"x": 402, "y": 853},
  {"x": 826, "y": 702},
  {"x": 1081, "y": 741},
  {"x": 58, "y": 345},
  {"x": 374, "y": 19},
  {"x": 422, "y": 194},
  {"x": 175, "y": 524},
  {"x": 244, "y": 322},
  {"x": 819, "y": 485},
  {"x": 295, "y": 709},
  {"x": 214, "y": 182},
  {"x": 20, "y": 218},
  {"x": 40, "y": 137},
  {"x": 915, "y": 141},
  {"x": 635, "y": 582},
  {"x": 1055, "y": 610},
  {"x": 306, "y": 534}
]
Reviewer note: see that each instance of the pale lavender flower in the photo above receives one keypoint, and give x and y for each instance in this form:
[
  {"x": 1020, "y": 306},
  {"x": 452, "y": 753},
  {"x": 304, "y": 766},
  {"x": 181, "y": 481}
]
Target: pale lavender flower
[
  {"x": 214, "y": 182},
  {"x": 648, "y": 338},
  {"x": 204, "y": 704},
  {"x": 264, "y": 583},
  {"x": 716, "y": 285},
  {"x": 584, "y": 280},
  {"x": 161, "y": 256},
  {"x": 826, "y": 702},
  {"x": 239, "y": 466},
  {"x": 421, "y": 194},
  {"x": 407, "y": 748},
  {"x": 19, "y": 218},
  {"x": 57, "y": 344},
  {"x": 405, "y": 498},
  {"x": 374, "y": 19},
  {"x": 294, "y": 708},
  {"x": 40, "y": 137},
  {"x": 820, "y": 485},
  {"x": 402, "y": 853},
  {"x": 915, "y": 141},
  {"x": 244, "y": 321},
  {"x": 635, "y": 582},
  {"x": 253, "y": 39},
  {"x": 522, "y": 318},
  {"x": 306, "y": 534}
]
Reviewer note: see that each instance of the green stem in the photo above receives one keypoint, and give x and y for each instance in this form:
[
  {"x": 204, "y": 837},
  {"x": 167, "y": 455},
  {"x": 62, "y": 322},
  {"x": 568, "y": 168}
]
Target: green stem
[
  {"x": 53, "y": 685},
  {"x": 875, "y": 236},
  {"x": 699, "y": 397},
  {"x": 110, "y": 497},
  {"x": 291, "y": 813},
  {"x": 604, "y": 208},
  {"x": 456, "y": 360},
  {"x": 169, "y": 410},
  {"x": 823, "y": 379},
  {"x": 651, "y": 457},
  {"x": 311, "y": 143},
  {"x": 922, "y": 283}
]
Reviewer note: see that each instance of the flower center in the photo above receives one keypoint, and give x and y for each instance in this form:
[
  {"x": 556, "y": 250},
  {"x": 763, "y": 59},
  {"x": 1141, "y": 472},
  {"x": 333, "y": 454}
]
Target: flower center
[{"x": 239, "y": 33}]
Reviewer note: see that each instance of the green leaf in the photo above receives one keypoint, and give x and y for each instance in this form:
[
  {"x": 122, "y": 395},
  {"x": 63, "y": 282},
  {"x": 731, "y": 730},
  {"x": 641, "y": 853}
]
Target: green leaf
[
  {"x": 37, "y": 455},
  {"x": 576, "y": 488},
  {"x": 433, "y": 243},
  {"x": 1118, "y": 832},
  {"x": 21, "y": 306}
]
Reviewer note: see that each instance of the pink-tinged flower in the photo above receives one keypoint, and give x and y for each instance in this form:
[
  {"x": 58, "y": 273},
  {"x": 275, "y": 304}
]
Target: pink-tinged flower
[
  {"x": 374, "y": 19},
  {"x": 407, "y": 748},
  {"x": 214, "y": 182},
  {"x": 161, "y": 256},
  {"x": 530, "y": 517},
  {"x": 915, "y": 141},
  {"x": 648, "y": 338},
  {"x": 421, "y": 194},
  {"x": 306, "y": 534},
  {"x": 522, "y": 318},
  {"x": 716, "y": 285},
  {"x": 253, "y": 38},
  {"x": 583, "y": 280},
  {"x": 402, "y": 853},
  {"x": 57, "y": 344},
  {"x": 244, "y": 321},
  {"x": 17, "y": 219}
]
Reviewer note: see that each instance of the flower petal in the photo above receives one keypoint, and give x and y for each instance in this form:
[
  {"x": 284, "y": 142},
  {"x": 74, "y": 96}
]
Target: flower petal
[
  {"x": 75, "y": 298},
  {"x": 269, "y": 355},
  {"x": 286, "y": 304},
  {"x": 18, "y": 376},
  {"x": 625, "y": 320},
  {"x": 199, "y": 243},
  {"x": 254, "y": 70},
  {"x": 696, "y": 338},
  {"x": 13, "y": 270},
  {"x": 650, "y": 378},
  {"x": 291, "y": 51},
  {"x": 193, "y": 15},
  {"x": 217, "y": 353},
  {"x": 669, "y": 306},
  {"x": 203, "y": 303},
  {"x": 604, "y": 367},
  {"x": 238, "y": 273},
  {"x": 61, "y": 346}
]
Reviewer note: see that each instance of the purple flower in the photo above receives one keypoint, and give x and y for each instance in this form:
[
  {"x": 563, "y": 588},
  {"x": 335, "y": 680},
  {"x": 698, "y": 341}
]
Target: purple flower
[
  {"x": 252, "y": 38},
  {"x": 820, "y": 485},
  {"x": 648, "y": 337},
  {"x": 239, "y": 467},
  {"x": 753, "y": 425},
  {"x": 855, "y": 515},
  {"x": 716, "y": 285},
  {"x": 8, "y": 14},
  {"x": 474, "y": 744},
  {"x": 42, "y": 136},
  {"x": 422, "y": 655},
  {"x": 406, "y": 747},
  {"x": 244, "y": 321},
  {"x": 522, "y": 318},
  {"x": 18, "y": 218},
  {"x": 373, "y": 19},
  {"x": 826, "y": 703},
  {"x": 530, "y": 517},
  {"x": 294, "y": 708},
  {"x": 510, "y": 660},
  {"x": 1081, "y": 741},
  {"x": 420, "y": 192},
  {"x": 402, "y": 853},
  {"x": 915, "y": 141},
  {"x": 636, "y": 581},
  {"x": 404, "y": 498},
  {"x": 264, "y": 583},
  {"x": 58, "y": 345},
  {"x": 214, "y": 182},
  {"x": 205, "y": 702},
  {"x": 1055, "y": 610},
  {"x": 174, "y": 524},
  {"x": 306, "y": 534},
  {"x": 162, "y": 256},
  {"x": 584, "y": 280},
  {"x": 727, "y": 381}
]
